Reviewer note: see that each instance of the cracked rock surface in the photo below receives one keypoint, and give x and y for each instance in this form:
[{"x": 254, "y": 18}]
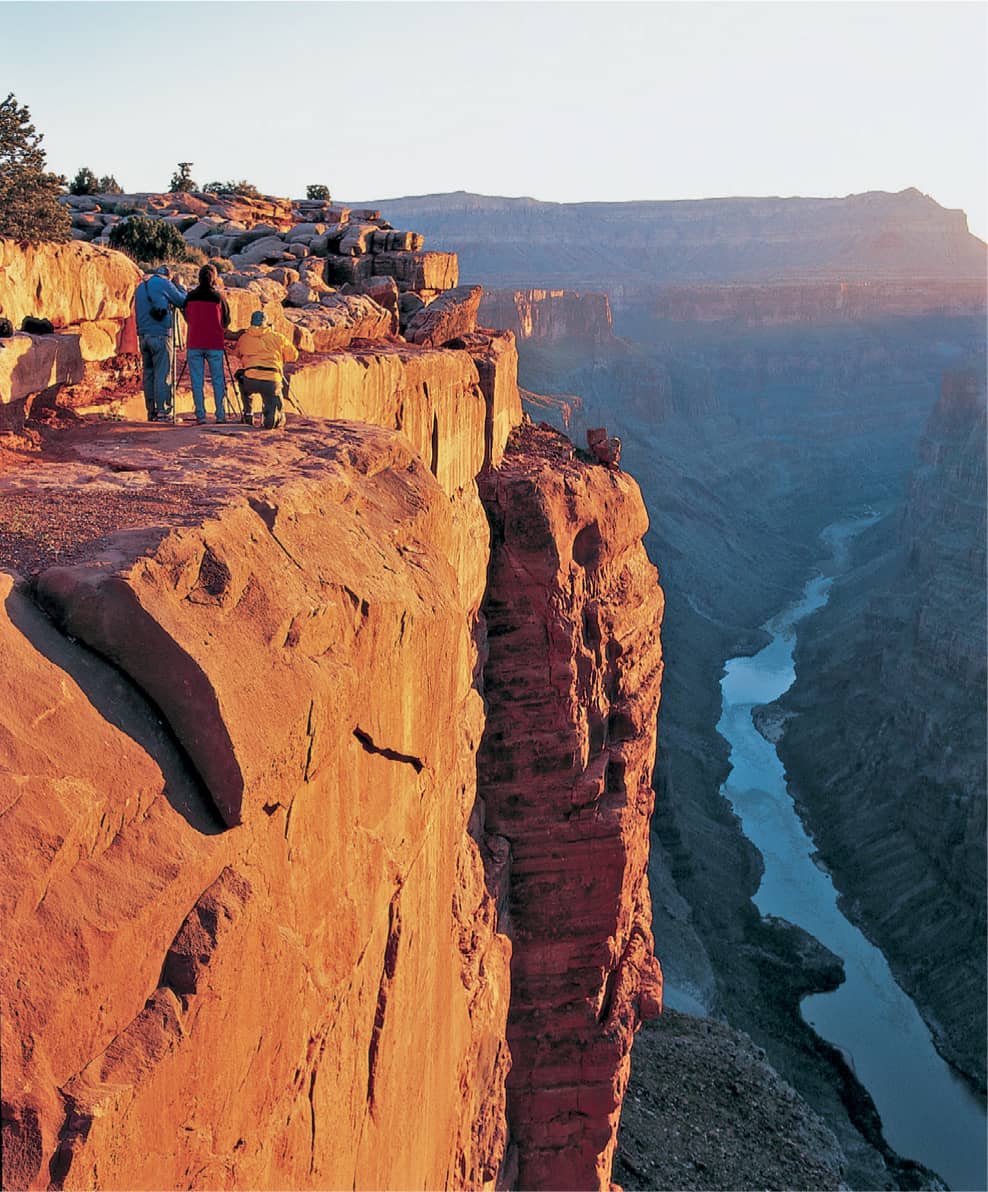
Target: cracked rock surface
[{"x": 239, "y": 730}]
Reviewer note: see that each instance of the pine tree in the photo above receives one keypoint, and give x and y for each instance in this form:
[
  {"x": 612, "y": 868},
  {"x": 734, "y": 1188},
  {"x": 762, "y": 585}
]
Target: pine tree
[
  {"x": 84, "y": 183},
  {"x": 182, "y": 178},
  {"x": 29, "y": 206}
]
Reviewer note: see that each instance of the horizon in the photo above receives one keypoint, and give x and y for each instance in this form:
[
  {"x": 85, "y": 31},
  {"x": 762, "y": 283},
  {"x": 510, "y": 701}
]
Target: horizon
[{"x": 517, "y": 99}]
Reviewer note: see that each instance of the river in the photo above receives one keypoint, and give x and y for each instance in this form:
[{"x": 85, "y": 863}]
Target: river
[{"x": 928, "y": 1113}]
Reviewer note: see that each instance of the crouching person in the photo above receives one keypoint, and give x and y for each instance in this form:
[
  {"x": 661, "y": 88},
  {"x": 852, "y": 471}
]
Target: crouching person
[{"x": 263, "y": 355}]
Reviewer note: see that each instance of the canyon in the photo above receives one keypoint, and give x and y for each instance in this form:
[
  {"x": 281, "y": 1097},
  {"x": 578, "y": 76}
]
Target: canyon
[
  {"x": 341, "y": 845},
  {"x": 758, "y": 399}
]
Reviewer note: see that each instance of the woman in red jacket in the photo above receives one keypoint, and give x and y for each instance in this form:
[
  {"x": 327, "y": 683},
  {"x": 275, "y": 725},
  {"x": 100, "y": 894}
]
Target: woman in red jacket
[{"x": 207, "y": 314}]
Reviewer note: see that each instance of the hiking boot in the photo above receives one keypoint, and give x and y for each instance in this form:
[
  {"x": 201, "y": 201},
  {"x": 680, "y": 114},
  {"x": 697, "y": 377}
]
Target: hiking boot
[{"x": 200, "y": 421}]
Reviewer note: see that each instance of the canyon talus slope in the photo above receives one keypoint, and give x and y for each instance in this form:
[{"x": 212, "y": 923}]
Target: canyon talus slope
[
  {"x": 260, "y": 923},
  {"x": 883, "y": 733}
]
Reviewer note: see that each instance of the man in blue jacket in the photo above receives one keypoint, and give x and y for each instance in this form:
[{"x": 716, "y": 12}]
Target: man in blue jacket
[{"x": 153, "y": 302}]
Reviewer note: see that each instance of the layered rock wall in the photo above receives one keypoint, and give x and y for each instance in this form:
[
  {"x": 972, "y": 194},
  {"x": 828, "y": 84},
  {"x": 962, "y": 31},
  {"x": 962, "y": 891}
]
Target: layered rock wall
[
  {"x": 572, "y": 688},
  {"x": 817, "y": 302},
  {"x": 548, "y": 314}
]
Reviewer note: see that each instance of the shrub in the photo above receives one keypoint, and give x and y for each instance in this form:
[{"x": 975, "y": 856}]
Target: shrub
[
  {"x": 240, "y": 187},
  {"x": 108, "y": 185},
  {"x": 29, "y": 206},
  {"x": 316, "y": 190},
  {"x": 149, "y": 241}
]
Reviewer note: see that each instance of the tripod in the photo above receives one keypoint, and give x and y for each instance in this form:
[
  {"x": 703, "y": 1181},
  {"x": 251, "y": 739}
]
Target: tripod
[{"x": 236, "y": 402}]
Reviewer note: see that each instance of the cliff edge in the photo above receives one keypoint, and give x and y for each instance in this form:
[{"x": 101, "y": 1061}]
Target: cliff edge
[{"x": 271, "y": 914}]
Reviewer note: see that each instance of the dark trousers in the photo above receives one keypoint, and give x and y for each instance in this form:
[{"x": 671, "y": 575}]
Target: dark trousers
[
  {"x": 156, "y": 357},
  {"x": 268, "y": 392}
]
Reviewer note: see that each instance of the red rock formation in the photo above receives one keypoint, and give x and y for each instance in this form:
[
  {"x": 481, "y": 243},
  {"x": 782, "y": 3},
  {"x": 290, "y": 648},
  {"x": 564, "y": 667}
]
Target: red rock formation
[
  {"x": 66, "y": 283},
  {"x": 572, "y": 689},
  {"x": 189, "y": 1006},
  {"x": 255, "y": 905},
  {"x": 452, "y": 314}
]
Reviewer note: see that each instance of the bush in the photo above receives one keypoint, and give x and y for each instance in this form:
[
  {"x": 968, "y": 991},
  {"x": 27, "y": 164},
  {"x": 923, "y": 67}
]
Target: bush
[
  {"x": 149, "y": 241},
  {"x": 29, "y": 206},
  {"x": 108, "y": 185},
  {"x": 240, "y": 187},
  {"x": 316, "y": 190}
]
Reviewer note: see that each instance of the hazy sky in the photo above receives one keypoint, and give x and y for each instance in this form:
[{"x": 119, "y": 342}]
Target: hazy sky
[{"x": 561, "y": 101}]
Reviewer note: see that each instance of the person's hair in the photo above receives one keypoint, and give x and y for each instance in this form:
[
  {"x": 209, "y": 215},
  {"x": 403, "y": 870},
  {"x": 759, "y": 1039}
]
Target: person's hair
[{"x": 208, "y": 276}]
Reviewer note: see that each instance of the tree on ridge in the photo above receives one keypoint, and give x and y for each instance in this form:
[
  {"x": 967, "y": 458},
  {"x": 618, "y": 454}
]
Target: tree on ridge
[{"x": 29, "y": 206}]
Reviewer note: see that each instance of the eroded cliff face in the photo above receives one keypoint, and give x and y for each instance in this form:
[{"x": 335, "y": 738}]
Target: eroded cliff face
[
  {"x": 548, "y": 314},
  {"x": 247, "y": 927},
  {"x": 259, "y": 893},
  {"x": 572, "y": 687}
]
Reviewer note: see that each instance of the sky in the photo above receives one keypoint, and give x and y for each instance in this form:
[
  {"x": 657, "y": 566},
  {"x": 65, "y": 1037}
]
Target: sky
[{"x": 559, "y": 101}]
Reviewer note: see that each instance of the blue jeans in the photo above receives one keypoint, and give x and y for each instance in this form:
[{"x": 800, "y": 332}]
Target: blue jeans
[
  {"x": 156, "y": 356},
  {"x": 198, "y": 358}
]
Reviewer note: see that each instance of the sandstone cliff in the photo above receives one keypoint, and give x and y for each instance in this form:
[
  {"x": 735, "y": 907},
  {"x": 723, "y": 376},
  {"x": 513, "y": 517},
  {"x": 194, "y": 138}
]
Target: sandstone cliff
[
  {"x": 262, "y": 874},
  {"x": 572, "y": 683},
  {"x": 885, "y": 745}
]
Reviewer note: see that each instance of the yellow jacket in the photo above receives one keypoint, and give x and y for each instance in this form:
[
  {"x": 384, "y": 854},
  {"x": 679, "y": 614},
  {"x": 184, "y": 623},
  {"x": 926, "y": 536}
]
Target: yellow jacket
[{"x": 264, "y": 352}]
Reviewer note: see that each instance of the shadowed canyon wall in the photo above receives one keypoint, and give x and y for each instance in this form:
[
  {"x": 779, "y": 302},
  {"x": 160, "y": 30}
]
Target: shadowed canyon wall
[{"x": 883, "y": 733}]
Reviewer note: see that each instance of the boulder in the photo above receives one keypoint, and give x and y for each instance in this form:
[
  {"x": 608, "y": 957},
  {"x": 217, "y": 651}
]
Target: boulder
[
  {"x": 419, "y": 270},
  {"x": 299, "y": 293},
  {"x": 349, "y": 269},
  {"x": 452, "y": 314},
  {"x": 606, "y": 451},
  {"x": 382, "y": 290},
  {"x": 337, "y": 321},
  {"x": 305, "y": 231},
  {"x": 267, "y": 289},
  {"x": 67, "y": 283},
  {"x": 268, "y": 248},
  {"x": 98, "y": 338},
  {"x": 32, "y": 366}
]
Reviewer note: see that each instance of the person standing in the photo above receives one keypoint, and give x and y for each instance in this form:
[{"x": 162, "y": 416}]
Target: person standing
[
  {"x": 154, "y": 301},
  {"x": 207, "y": 315},
  {"x": 263, "y": 354}
]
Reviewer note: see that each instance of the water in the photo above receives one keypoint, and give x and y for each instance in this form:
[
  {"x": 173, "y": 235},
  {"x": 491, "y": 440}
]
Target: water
[{"x": 928, "y": 1113}]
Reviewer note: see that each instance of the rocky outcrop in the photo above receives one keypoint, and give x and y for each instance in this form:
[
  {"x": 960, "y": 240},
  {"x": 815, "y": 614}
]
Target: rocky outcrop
[
  {"x": 572, "y": 689},
  {"x": 548, "y": 314},
  {"x": 449, "y": 316},
  {"x": 884, "y": 733},
  {"x": 257, "y": 908},
  {"x": 187, "y": 1005},
  {"x": 65, "y": 283}
]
